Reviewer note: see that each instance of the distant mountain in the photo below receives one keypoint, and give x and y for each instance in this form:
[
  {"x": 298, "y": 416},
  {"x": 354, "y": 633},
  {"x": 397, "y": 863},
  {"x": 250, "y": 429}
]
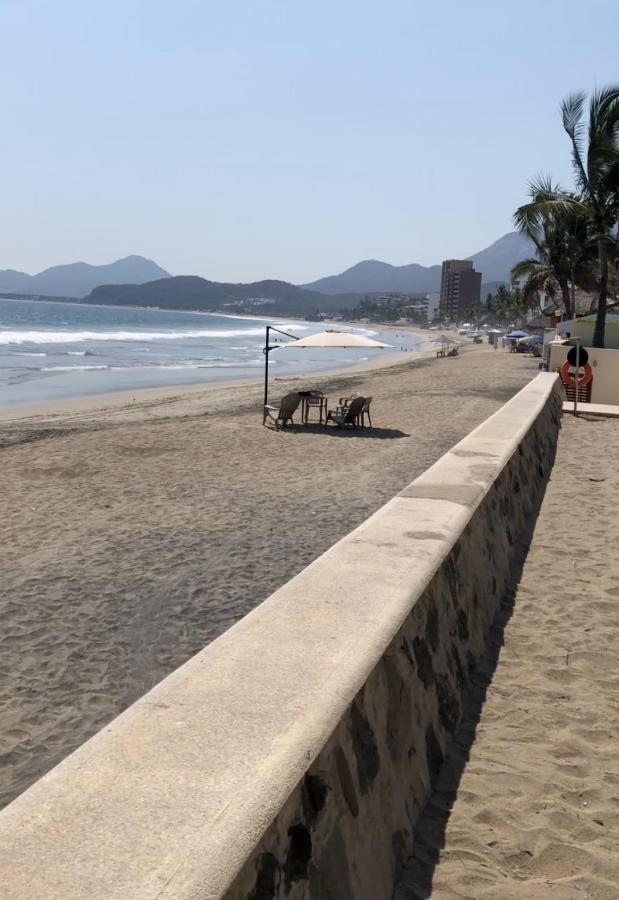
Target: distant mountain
[
  {"x": 78, "y": 279},
  {"x": 191, "y": 292},
  {"x": 373, "y": 276},
  {"x": 497, "y": 260}
]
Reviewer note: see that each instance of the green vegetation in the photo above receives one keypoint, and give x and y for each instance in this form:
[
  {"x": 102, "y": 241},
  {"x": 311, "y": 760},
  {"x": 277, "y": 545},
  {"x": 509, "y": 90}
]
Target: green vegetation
[
  {"x": 575, "y": 232},
  {"x": 390, "y": 308},
  {"x": 504, "y": 307}
]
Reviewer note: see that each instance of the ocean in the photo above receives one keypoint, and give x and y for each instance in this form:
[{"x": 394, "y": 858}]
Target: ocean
[{"x": 51, "y": 350}]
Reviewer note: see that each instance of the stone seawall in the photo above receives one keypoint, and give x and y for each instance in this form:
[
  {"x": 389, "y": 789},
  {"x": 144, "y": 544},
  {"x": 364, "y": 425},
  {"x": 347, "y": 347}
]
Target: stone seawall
[{"x": 291, "y": 758}]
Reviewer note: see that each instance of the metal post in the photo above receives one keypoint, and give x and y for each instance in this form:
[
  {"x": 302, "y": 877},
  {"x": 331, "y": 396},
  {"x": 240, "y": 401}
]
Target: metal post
[
  {"x": 266, "y": 366},
  {"x": 266, "y": 351},
  {"x": 576, "y": 378}
]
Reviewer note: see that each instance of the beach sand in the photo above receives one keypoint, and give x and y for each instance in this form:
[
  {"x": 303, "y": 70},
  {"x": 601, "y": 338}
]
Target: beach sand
[
  {"x": 527, "y": 805},
  {"x": 135, "y": 532}
]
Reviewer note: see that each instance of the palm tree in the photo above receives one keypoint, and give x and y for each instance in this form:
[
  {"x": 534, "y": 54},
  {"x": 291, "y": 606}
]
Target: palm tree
[
  {"x": 565, "y": 252},
  {"x": 596, "y": 166},
  {"x": 506, "y": 306}
]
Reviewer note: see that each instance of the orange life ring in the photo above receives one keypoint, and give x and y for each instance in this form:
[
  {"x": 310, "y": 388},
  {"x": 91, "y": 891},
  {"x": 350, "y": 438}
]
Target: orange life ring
[{"x": 576, "y": 380}]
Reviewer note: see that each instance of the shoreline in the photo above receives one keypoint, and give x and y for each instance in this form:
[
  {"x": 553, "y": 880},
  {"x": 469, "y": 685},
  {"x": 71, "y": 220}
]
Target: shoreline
[{"x": 114, "y": 400}]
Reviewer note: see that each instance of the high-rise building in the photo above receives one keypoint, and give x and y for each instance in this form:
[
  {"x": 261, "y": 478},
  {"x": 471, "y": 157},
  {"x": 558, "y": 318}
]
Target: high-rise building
[{"x": 460, "y": 288}]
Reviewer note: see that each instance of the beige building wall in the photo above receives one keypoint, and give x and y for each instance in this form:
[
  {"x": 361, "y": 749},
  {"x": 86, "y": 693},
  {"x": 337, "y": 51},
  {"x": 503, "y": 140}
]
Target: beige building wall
[{"x": 583, "y": 328}]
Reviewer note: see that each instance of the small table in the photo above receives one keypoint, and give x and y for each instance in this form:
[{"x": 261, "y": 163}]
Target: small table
[{"x": 314, "y": 401}]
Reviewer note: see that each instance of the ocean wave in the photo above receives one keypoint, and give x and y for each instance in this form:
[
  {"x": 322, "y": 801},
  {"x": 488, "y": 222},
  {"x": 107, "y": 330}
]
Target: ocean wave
[
  {"x": 173, "y": 366},
  {"x": 71, "y": 368},
  {"x": 18, "y": 353},
  {"x": 72, "y": 337}
]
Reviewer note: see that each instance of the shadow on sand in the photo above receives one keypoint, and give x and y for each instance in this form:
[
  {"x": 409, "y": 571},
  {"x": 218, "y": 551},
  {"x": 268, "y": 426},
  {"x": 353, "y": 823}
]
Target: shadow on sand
[
  {"x": 334, "y": 431},
  {"x": 415, "y": 880}
]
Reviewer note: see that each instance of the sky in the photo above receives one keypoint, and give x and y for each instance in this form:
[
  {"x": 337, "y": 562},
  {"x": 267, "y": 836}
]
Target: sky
[{"x": 253, "y": 139}]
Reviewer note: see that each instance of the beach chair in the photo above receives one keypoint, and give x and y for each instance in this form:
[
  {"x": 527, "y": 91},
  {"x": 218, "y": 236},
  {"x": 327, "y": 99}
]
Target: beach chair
[
  {"x": 348, "y": 415},
  {"x": 345, "y": 406},
  {"x": 366, "y": 411},
  {"x": 284, "y": 412}
]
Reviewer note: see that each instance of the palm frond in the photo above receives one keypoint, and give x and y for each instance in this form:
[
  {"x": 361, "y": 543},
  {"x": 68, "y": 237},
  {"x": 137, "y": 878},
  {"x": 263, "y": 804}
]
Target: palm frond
[
  {"x": 527, "y": 267},
  {"x": 541, "y": 282},
  {"x": 603, "y": 149},
  {"x": 571, "y": 115}
]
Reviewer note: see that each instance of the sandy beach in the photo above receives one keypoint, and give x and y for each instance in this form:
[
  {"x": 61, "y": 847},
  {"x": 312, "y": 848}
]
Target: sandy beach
[
  {"x": 527, "y": 804},
  {"x": 136, "y": 531}
]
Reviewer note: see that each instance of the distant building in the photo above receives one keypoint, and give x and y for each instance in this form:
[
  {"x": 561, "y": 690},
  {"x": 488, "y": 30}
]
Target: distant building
[
  {"x": 433, "y": 301},
  {"x": 460, "y": 288}
]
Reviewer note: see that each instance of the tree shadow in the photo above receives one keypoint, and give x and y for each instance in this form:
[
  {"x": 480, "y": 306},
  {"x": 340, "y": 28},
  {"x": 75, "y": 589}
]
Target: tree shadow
[{"x": 416, "y": 878}]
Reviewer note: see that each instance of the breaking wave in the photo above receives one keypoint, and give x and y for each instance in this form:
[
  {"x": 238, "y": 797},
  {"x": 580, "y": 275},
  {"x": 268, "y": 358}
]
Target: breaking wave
[{"x": 72, "y": 337}]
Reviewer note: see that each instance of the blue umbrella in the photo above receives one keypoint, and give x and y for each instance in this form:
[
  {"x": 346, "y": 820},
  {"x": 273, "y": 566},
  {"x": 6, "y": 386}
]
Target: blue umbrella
[{"x": 517, "y": 334}]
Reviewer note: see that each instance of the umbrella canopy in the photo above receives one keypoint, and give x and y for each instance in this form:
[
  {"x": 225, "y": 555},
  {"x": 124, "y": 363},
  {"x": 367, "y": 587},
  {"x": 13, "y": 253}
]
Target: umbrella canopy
[
  {"x": 334, "y": 339},
  {"x": 517, "y": 334},
  {"x": 443, "y": 339}
]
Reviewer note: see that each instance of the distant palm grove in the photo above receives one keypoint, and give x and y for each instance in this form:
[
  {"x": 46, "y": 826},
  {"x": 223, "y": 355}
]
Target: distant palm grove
[{"x": 575, "y": 231}]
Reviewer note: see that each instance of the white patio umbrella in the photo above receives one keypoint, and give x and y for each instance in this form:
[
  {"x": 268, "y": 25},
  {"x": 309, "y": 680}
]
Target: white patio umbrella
[
  {"x": 331, "y": 338},
  {"x": 343, "y": 339}
]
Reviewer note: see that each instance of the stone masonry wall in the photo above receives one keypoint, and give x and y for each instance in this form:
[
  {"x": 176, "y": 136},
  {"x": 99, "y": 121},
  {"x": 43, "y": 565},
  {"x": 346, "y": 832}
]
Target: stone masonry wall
[{"x": 345, "y": 830}]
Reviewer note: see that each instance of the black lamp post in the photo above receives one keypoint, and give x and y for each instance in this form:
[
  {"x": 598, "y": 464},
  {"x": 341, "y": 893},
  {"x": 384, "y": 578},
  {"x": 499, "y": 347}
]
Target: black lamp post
[{"x": 266, "y": 351}]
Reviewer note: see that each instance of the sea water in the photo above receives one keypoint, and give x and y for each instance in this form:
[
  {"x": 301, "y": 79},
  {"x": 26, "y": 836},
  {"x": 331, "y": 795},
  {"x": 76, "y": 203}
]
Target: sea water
[{"x": 51, "y": 350}]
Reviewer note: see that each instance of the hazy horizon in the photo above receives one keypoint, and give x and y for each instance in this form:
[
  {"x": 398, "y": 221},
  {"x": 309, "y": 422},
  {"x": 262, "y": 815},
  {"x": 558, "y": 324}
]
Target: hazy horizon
[{"x": 260, "y": 140}]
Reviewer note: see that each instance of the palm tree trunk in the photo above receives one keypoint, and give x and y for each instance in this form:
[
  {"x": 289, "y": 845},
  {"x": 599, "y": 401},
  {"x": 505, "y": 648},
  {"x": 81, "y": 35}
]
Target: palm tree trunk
[
  {"x": 567, "y": 300},
  {"x": 600, "y": 320}
]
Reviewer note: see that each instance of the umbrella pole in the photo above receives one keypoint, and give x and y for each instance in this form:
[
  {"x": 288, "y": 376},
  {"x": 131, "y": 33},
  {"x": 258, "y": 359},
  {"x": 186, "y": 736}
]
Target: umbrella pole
[
  {"x": 266, "y": 351},
  {"x": 266, "y": 366}
]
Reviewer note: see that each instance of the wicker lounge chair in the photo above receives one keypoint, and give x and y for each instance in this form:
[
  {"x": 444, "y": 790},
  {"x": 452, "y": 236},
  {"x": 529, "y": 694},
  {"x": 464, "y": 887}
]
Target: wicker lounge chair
[{"x": 284, "y": 412}]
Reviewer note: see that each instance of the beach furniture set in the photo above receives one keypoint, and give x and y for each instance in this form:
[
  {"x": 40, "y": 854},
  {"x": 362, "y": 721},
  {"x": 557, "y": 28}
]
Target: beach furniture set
[{"x": 350, "y": 412}]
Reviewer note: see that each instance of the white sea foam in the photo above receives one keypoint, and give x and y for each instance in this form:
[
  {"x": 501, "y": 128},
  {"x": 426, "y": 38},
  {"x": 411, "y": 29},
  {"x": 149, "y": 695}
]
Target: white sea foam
[
  {"x": 72, "y": 337},
  {"x": 214, "y": 364},
  {"x": 71, "y": 368}
]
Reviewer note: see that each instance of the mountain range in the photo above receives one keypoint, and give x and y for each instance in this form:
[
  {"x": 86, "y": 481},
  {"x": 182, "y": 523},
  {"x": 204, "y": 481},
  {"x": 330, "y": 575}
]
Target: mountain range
[
  {"x": 373, "y": 276},
  {"x": 79, "y": 279},
  {"x": 137, "y": 281}
]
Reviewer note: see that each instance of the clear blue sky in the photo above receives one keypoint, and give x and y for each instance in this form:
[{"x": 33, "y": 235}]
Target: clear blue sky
[{"x": 282, "y": 138}]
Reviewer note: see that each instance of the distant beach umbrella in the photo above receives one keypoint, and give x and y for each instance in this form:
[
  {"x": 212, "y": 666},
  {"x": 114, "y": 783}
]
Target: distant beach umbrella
[
  {"x": 531, "y": 339},
  {"x": 517, "y": 334},
  {"x": 443, "y": 339}
]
